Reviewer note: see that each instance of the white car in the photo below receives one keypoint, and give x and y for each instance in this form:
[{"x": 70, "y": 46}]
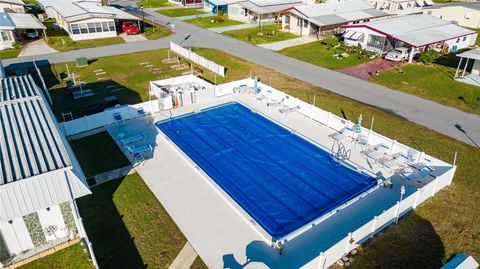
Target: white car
[
  {"x": 397, "y": 55},
  {"x": 32, "y": 33}
]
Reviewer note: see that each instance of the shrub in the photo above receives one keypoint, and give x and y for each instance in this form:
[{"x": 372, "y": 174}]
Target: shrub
[
  {"x": 429, "y": 56},
  {"x": 330, "y": 42}
]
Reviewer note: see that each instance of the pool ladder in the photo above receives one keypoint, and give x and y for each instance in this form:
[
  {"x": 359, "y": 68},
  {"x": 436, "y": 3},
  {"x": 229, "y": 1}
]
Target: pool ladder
[{"x": 341, "y": 153}]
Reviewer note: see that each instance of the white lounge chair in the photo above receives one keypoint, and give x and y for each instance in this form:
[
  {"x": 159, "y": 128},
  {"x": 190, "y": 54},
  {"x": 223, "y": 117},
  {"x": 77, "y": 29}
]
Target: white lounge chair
[
  {"x": 376, "y": 152},
  {"x": 141, "y": 149},
  {"x": 260, "y": 97},
  {"x": 341, "y": 135},
  {"x": 275, "y": 102},
  {"x": 136, "y": 138},
  {"x": 289, "y": 109},
  {"x": 395, "y": 161},
  {"x": 418, "y": 172},
  {"x": 118, "y": 118}
]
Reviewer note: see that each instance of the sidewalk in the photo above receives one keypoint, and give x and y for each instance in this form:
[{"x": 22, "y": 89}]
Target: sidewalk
[
  {"x": 276, "y": 46},
  {"x": 238, "y": 27}
]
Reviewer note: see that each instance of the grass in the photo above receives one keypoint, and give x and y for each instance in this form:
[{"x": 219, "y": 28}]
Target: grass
[
  {"x": 268, "y": 34},
  {"x": 128, "y": 227},
  {"x": 157, "y": 32},
  {"x": 124, "y": 71},
  {"x": 153, "y": 3},
  {"x": 74, "y": 256},
  {"x": 434, "y": 82},
  {"x": 318, "y": 54},
  {"x": 98, "y": 153},
  {"x": 55, "y": 37},
  {"x": 451, "y": 217},
  {"x": 10, "y": 53},
  {"x": 180, "y": 12},
  {"x": 206, "y": 22}
]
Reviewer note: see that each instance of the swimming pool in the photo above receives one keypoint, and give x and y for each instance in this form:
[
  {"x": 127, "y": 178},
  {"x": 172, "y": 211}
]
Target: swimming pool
[{"x": 281, "y": 180}]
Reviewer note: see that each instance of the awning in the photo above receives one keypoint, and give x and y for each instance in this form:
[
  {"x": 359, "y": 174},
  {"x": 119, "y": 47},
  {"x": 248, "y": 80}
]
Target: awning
[
  {"x": 348, "y": 34},
  {"x": 420, "y": 3},
  {"x": 26, "y": 21},
  {"x": 352, "y": 35},
  {"x": 429, "y": 2}
]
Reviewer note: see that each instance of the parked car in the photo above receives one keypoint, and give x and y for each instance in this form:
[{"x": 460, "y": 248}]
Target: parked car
[
  {"x": 130, "y": 28},
  {"x": 31, "y": 34},
  {"x": 398, "y": 54}
]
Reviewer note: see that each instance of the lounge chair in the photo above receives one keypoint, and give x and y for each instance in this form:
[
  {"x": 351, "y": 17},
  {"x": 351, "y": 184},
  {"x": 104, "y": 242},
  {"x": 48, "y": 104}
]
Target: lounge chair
[
  {"x": 136, "y": 138},
  {"x": 418, "y": 172},
  {"x": 141, "y": 149},
  {"x": 361, "y": 141},
  {"x": 275, "y": 102},
  {"x": 141, "y": 112},
  {"x": 289, "y": 109},
  {"x": 118, "y": 118},
  {"x": 341, "y": 135},
  {"x": 376, "y": 153},
  {"x": 395, "y": 161}
]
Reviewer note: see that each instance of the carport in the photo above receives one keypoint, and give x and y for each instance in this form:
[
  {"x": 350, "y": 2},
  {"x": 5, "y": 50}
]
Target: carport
[{"x": 23, "y": 21}]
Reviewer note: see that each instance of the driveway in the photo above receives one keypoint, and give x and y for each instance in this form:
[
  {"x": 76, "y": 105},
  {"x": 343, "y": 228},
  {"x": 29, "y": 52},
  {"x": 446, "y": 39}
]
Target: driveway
[
  {"x": 36, "y": 47},
  {"x": 438, "y": 117},
  {"x": 367, "y": 70},
  {"x": 280, "y": 45},
  {"x": 132, "y": 38}
]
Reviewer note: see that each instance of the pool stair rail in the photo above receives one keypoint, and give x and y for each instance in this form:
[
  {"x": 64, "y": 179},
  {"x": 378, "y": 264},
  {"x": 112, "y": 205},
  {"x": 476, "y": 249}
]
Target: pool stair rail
[{"x": 341, "y": 153}]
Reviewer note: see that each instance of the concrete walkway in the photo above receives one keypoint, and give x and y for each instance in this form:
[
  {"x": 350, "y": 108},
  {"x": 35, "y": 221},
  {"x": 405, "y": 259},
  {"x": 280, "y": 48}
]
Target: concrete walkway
[
  {"x": 133, "y": 38},
  {"x": 184, "y": 18},
  {"x": 37, "y": 47},
  {"x": 280, "y": 45},
  {"x": 237, "y": 27},
  {"x": 185, "y": 258},
  {"x": 446, "y": 120}
]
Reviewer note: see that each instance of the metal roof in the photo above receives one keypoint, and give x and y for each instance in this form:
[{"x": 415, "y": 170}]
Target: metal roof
[
  {"x": 470, "y": 54},
  {"x": 471, "y": 5},
  {"x": 269, "y": 6},
  {"x": 338, "y": 12},
  {"x": 416, "y": 30},
  {"x": 12, "y": 21},
  {"x": 35, "y": 158},
  {"x": 72, "y": 10}
]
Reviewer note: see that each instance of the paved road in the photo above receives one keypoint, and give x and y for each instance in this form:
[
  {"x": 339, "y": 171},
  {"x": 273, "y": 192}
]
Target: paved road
[{"x": 443, "y": 119}]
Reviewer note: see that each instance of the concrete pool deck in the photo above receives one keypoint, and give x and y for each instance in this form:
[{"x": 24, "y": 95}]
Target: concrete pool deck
[{"x": 225, "y": 238}]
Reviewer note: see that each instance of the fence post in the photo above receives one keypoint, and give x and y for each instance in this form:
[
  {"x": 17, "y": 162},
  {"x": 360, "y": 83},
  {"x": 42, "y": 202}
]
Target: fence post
[
  {"x": 434, "y": 187},
  {"x": 321, "y": 261},
  {"x": 452, "y": 174},
  {"x": 328, "y": 119},
  {"x": 86, "y": 122},
  {"x": 374, "y": 224},
  {"x": 393, "y": 144},
  {"x": 419, "y": 190},
  {"x": 397, "y": 212},
  {"x": 347, "y": 248}
]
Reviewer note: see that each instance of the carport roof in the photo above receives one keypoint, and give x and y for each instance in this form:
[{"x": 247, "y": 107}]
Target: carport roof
[
  {"x": 471, "y": 54},
  {"x": 12, "y": 21}
]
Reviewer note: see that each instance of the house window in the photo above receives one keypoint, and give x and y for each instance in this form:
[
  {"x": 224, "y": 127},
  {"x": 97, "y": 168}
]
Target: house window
[
  {"x": 83, "y": 28},
  {"x": 74, "y": 29},
  {"x": 299, "y": 22},
  {"x": 91, "y": 27},
  {"x": 287, "y": 19},
  {"x": 458, "y": 40},
  {"x": 305, "y": 23},
  {"x": 105, "y": 26},
  {"x": 464, "y": 38},
  {"x": 111, "y": 26},
  {"x": 4, "y": 36},
  {"x": 98, "y": 27}
]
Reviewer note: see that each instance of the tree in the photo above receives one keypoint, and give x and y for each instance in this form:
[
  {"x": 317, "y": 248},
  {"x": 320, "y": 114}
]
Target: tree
[{"x": 429, "y": 56}]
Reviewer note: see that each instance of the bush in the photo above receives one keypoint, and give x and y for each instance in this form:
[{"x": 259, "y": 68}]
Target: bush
[
  {"x": 331, "y": 42},
  {"x": 429, "y": 56}
]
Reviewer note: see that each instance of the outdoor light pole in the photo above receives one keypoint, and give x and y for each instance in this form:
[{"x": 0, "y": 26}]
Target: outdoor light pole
[
  {"x": 402, "y": 192},
  {"x": 143, "y": 18}
]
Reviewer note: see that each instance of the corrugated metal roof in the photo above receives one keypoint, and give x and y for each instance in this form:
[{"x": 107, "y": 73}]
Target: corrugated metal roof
[
  {"x": 29, "y": 141},
  {"x": 266, "y": 7},
  {"x": 35, "y": 158},
  {"x": 471, "y": 54},
  {"x": 418, "y": 30},
  {"x": 11, "y": 21},
  {"x": 471, "y": 5},
  {"x": 73, "y": 10},
  {"x": 339, "y": 12}
]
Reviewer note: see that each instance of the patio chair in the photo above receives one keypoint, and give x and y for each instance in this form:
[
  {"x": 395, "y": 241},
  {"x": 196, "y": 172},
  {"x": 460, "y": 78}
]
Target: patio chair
[
  {"x": 341, "y": 135},
  {"x": 289, "y": 109},
  {"x": 419, "y": 172},
  {"x": 375, "y": 153},
  {"x": 275, "y": 102},
  {"x": 260, "y": 97},
  {"x": 136, "y": 138},
  {"x": 141, "y": 149},
  {"x": 141, "y": 112},
  {"x": 361, "y": 141},
  {"x": 395, "y": 161},
  {"x": 118, "y": 118}
]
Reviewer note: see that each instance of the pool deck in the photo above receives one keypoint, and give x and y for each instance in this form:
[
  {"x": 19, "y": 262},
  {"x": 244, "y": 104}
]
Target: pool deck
[{"x": 225, "y": 238}]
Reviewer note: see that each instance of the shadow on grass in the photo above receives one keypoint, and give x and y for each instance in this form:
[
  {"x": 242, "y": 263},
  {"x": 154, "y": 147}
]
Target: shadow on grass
[{"x": 113, "y": 245}]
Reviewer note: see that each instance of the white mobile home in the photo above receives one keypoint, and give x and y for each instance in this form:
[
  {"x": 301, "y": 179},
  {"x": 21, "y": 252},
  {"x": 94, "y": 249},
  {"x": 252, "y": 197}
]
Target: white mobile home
[
  {"x": 466, "y": 14},
  {"x": 326, "y": 19},
  {"x": 16, "y": 6},
  {"x": 39, "y": 175},
  {"x": 12, "y": 26},
  {"x": 401, "y": 7},
  {"x": 260, "y": 10},
  {"x": 86, "y": 19},
  {"x": 418, "y": 32}
]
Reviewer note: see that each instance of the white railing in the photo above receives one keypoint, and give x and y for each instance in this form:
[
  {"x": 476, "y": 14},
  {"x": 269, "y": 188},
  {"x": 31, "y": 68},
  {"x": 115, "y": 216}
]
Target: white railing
[{"x": 378, "y": 223}]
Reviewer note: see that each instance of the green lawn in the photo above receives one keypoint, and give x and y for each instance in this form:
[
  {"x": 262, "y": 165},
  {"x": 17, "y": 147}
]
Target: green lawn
[
  {"x": 58, "y": 39},
  {"x": 71, "y": 257},
  {"x": 180, "y": 12},
  {"x": 153, "y": 3},
  {"x": 207, "y": 22},
  {"x": 98, "y": 153},
  {"x": 124, "y": 71},
  {"x": 318, "y": 54},
  {"x": 157, "y": 32},
  {"x": 10, "y": 53},
  {"x": 128, "y": 227},
  {"x": 434, "y": 82},
  {"x": 266, "y": 34}
]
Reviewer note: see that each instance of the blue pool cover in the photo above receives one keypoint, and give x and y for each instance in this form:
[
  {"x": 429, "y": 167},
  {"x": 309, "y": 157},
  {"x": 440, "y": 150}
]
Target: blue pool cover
[{"x": 280, "y": 179}]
